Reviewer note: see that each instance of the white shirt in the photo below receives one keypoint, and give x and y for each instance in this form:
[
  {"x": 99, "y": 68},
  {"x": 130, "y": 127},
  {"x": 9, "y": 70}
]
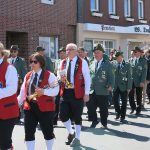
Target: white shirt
[
  {"x": 99, "y": 64},
  {"x": 85, "y": 71},
  {"x": 49, "y": 91},
  {"x": 13, "y": 60},
  {"x": 11, "y": 82}
]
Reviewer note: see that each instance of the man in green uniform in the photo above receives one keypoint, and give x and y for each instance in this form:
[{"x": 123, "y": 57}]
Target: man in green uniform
[
  {"x": 102, "y": 76},
  {"x": 19, "y": 63},
  {"x": 139, "y": 70},
  {"x": 123, "y": 84},
  {"x": 48, "y": 61}
]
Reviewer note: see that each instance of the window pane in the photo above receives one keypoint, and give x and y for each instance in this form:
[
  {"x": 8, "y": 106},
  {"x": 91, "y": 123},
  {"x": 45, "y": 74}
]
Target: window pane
[
  {"x": 94, "y": 5},
  {"x": 49, "y": 44},
  {"x": 88, "y": 45},
  {"x": 112, "y": 6}
]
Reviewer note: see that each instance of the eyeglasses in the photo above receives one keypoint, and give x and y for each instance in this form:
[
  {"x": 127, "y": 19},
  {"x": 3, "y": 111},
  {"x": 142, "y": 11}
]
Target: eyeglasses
[
  {"x": 13, "y": 51},
  {"x": 69, "y": 49},
  {"x": 33, "y": 61}
]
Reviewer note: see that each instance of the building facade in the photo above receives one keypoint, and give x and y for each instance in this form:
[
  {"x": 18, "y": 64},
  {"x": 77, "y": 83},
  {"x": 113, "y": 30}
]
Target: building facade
[
  {"x": 28, "y": 23},
  {"x": 119, "y": 24}
]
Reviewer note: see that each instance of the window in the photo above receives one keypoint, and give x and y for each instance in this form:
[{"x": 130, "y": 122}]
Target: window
[
  {"x": 90, "y": 44},
  {"x": 112, "y": 7},
  {"x": 94, "y": 5},
  {"x": 107, "y": 45},
  {"x": 50, "y": 44},
  {"x": 141, "y": 9},
  {"x": 127, "y": 8},
  {"x": 50, "y": 2}
]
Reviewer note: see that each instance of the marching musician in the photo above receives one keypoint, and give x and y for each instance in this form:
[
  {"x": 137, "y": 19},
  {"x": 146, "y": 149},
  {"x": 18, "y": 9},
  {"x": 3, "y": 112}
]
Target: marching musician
[
  {"x": 75, "y": 91},
  {"x": 37, "y": 97},
  {"x": 9, "y": 109}
]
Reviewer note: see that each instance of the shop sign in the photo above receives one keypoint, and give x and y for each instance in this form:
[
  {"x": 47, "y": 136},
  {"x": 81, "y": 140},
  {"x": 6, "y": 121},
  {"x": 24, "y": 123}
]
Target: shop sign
[{"x": 137, "y": 29}]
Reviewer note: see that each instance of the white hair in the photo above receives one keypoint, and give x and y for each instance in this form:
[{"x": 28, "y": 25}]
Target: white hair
[
  {"x": 1, "y": 46},
  {"x": 72, "y": 45}
]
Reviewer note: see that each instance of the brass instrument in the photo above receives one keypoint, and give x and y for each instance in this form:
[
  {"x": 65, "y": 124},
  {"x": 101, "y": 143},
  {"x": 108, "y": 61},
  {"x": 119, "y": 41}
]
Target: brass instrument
[
  {"x": 35, "y": 95},
  {"x": 68, "y": 84}
]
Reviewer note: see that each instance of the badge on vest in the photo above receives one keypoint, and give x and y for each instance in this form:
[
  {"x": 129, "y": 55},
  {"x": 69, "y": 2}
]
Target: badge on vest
[{"x": 1, "y": 85}]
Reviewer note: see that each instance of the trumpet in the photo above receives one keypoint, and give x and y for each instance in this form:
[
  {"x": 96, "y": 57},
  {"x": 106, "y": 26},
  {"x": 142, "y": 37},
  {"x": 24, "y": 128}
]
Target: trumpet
[
  {"x": 35, "y": 95},
  {"x": 66, "y": 82}
]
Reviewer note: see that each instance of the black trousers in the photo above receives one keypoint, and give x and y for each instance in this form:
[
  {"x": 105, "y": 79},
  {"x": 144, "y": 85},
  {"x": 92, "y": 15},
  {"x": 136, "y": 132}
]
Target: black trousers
[
  {"x": 32, "y": 117},
  {"x": 100, "y": 101},
  {"x": 71, "y": 108},
  {"x": 138, "y": 98},
  {"x": 6, "y": 129},
  {"x": 121, "y": 110},
  {"x": 148, "y": 91}
]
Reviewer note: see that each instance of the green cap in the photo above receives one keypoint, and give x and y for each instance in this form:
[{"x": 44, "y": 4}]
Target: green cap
[
  {"x": 99, "y": 48},
  {"x": 118, "y": 53},
  {"x": 136, "y": 48},
  {"x": 62, "y": 49}
]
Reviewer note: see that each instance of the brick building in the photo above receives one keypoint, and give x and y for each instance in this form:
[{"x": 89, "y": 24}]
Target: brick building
[
  {"x": 119, "y": 24},
  {"x": 28, "y": 23}
]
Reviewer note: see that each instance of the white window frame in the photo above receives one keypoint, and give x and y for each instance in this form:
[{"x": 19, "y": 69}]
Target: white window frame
[
  {"x": 127, "y": 8},
  {"x": 100, "y": 41},
  {"x": 96, "y": 5},
  {"x": 141, "y": 9},
  {"x": 45, "y": 42},
  {"x": 50, "y": 2},
  {"x": 112, "y": 7}
]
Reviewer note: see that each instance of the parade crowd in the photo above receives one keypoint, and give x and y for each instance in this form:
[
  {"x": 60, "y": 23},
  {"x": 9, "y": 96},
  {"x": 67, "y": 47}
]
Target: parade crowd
[{"x": 47, "y": 91}]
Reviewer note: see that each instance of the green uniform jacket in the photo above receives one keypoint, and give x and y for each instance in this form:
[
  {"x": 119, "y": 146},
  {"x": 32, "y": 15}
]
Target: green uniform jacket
[
  {"x": 139, "y": 72},
  {"x": 123, "y": 77},
  {"x": 21, "y": 68},
  {"x": 102, "y": 78},
  {"x": 49, "y": 64}
]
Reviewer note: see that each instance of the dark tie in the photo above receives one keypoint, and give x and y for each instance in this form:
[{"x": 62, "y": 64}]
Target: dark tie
[
  {"x": 96, "y": 66},
  {"x": 12, "y": 61},
  {"x": 69, "y": 71},
  {"x": 33, "y": 85},
  {"x": 119, "y": 66},
  {"x": 136, "y": 61}
]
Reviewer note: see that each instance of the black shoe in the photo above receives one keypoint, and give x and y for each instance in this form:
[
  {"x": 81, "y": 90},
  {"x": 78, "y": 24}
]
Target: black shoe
[
  {"x": 70, "y": 138},
  {"x": 122, "y": 120},
  {"x": 137, "y": 112},
  {"x": 132, "y": 111},
  {"x": 104, "y": 127},
  {"x": 117, "y": 116},
  {"x": 94, "y": 123}
]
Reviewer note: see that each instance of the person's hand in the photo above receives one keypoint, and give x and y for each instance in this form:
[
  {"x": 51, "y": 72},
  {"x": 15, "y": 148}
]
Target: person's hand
[
  {"x": 147, "y": 81},
  {"x": 86, "y": 98},
  {"x": 63, "y": 79},
  {"x": 142, "y": 84},
  {"x": 39, "y": 91},
  {"x": 109, "y": 88},
  {"x": 128, "y": 91}
]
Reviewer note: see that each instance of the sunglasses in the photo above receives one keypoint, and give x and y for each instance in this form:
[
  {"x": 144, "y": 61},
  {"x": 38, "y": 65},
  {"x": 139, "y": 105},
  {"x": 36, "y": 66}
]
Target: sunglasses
[
  {"x": 33, "y": 61},
  {"x": 13, "y": 51}
]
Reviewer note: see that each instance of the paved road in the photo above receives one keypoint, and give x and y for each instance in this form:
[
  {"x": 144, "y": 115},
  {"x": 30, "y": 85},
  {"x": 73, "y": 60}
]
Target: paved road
[{"x": 135, "y": 135}]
